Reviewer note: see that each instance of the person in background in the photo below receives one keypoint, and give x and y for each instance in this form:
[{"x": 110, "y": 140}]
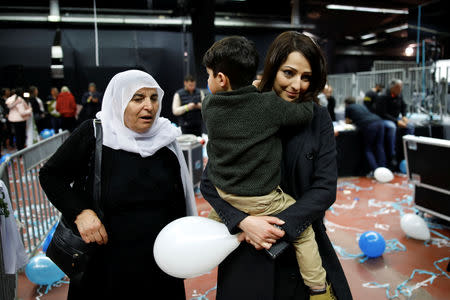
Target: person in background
[
  {"x": 389, "y": 106},
  {"x": 328, "y": 91},
  {"x": 371, "y": 96},
  {"x": 187, "y": 105},
  {"x": 19, "y": 112},
  {"x": 39, "y": 113},
  {"x": 372, "y": 128},
  {"x": 5, "y": 126},
  {"x": 54, "y": 115},
  {"x": 67, "y": 107},
  {"x": 92, "y": 103}
]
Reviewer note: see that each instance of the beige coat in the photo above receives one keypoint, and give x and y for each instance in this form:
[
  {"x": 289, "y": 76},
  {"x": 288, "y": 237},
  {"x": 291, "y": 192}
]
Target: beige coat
[{"x": 19, "y": 110}]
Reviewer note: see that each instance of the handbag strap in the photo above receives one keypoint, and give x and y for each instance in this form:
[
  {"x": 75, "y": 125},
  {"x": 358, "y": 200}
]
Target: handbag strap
[{"x": 98, "y": 167}]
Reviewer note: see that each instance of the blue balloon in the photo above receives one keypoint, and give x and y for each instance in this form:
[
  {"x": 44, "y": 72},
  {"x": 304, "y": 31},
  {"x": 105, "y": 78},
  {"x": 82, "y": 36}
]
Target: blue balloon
[
  {"x": 49, "y": 237},
  {"x": 43, "y": 271},
  {"x": 402, "y": 166},
  {"x": 46, "y": 133},
  {"x": 4, "y": 157},
  {"x": 372, "y": 244}
]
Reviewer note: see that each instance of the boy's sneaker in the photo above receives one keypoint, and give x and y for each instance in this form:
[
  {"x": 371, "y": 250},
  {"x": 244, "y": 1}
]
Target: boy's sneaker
[{"x": 326, "y": 294}]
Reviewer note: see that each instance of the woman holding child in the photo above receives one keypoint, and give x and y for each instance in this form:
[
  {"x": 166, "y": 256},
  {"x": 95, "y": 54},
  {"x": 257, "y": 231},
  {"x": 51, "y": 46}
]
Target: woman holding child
[{"x": 296, "y": 70}]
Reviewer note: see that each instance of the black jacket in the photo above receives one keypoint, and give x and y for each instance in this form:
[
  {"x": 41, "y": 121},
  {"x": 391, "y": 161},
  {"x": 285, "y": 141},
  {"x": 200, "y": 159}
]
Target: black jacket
[
  {"x": 389, "y": 108},
  {"x": 309, "y": 174}
]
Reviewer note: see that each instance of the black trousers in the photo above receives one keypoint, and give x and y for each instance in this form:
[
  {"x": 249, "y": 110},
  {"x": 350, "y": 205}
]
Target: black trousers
[
  {"x": 68, "y": 123},
  {"x": 20, "y": 133},
  {"x": 195, "y": 130}
]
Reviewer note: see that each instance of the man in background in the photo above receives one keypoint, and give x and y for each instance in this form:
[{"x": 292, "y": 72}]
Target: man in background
[
  {"x": 55, "y": 117},
  {"x": 372, "y": 129},
  {"x": 392, "y": 109},
  {"x": 187, "y": 105},
  {"x": 371, "y": 95},
  {"x": 328, "y": 91},
  {"x": 92, "y": 103}
]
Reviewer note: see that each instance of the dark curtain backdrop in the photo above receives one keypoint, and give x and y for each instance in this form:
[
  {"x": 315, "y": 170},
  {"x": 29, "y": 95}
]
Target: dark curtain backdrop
[
  {"x": 25, "y": 58},
  {"x": 160, "y": 53}
]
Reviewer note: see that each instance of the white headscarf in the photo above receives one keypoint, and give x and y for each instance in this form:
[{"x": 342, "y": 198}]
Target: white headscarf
[{"x": 116, "y": 135}]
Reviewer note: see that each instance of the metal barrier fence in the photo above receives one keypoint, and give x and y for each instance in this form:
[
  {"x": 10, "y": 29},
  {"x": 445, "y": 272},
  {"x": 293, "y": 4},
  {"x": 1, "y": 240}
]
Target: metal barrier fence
[
  {"x": 344, "y": 85},
  {"x": 425, "y": 89},
  {"x": 367, "y": 80},
  {"x": 31, "y": 208}
]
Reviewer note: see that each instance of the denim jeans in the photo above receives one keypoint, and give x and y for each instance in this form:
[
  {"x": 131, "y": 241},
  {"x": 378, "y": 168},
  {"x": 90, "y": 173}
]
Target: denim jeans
[
  {"x": 390, "y": 133},
  {"x": 373, "y": 137}
]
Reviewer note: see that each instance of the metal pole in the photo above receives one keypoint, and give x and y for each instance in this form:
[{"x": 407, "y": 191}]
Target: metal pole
[
  {"x": 96, "y": 35},
  {"x": 418, "y": 34},
  {"x": 295, "y": 13},
  {"x": 54, "y": 8},
  {"x": 423, "y": 71}
]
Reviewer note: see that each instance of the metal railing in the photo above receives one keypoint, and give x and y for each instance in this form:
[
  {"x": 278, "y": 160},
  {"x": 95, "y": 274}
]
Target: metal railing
[
  {"x": 31, "y": 208},
  {"x": 425, "y": 89}
]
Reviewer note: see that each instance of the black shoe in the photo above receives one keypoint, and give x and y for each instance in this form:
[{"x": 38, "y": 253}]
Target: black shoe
[{"x": 393, "y": 165}]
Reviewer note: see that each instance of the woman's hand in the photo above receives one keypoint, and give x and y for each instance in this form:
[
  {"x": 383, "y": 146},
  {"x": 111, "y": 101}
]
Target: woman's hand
[
  {"x": 91, "y": 228},
  {"x": 260, "y": 232}
]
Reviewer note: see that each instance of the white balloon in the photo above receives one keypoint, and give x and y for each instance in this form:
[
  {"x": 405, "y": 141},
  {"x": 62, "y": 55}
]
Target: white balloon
[
  {"x": 415, "y": 227},
  {"x": 383, "y": 174},
  {"x": 192, "y": 246}
]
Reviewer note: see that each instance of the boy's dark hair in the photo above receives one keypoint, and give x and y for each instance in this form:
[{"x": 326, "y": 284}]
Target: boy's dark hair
[
  {"x": 234, "y": 56},
  {"x": 349, "y": 100},
  {"x": 189, "y": 77}
]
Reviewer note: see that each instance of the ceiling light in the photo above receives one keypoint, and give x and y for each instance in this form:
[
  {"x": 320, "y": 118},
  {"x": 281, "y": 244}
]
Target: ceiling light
[
  {"x": 409, "y": 51},
  {"x": 52, "y": 18},
  {"x": 371, "y": 42},
  {"x": 398, "y": 28},
  {"x": 57, "y": 52},
  {"x": 349, "y": 37},
  {"x": 368, "y": 9},
  {"x": 368, "y": 36}
]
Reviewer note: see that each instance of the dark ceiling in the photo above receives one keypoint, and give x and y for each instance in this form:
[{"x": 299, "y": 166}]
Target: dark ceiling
[{"x": 341, "y": 28}]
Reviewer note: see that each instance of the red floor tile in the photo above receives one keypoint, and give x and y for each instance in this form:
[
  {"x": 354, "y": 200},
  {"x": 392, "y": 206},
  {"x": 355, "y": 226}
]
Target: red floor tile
[{"x": 360, "y": 206}]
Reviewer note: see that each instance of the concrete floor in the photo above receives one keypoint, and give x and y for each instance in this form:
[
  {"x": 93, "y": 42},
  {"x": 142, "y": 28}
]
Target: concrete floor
[{"x": 362, "y": 204}]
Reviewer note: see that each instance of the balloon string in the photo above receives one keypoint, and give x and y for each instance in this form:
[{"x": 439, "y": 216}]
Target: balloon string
[
  {"x": 407, "y": 291},
  {"x": 439, "y": 235},
  {"x": 348, "y": 185},
  {"x": 391, "y": 246},
  {"x": 49, "y": 287},
  {"x": 203, "y": 297}
]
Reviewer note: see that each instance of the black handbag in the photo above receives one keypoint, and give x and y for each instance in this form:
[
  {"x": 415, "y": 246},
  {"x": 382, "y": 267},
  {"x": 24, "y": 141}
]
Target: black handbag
[{"x": 67, "y": 249}]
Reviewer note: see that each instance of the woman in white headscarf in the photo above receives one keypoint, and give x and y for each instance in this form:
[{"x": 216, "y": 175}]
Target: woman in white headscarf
[{"x": 144, "y": 186}]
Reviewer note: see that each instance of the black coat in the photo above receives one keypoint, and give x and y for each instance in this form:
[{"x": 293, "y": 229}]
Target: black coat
[{"x": 309, "y": 174}]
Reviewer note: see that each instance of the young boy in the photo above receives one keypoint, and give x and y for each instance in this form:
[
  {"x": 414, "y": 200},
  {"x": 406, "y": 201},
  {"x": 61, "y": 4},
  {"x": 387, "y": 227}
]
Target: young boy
[{"x": 244, "y": 148}]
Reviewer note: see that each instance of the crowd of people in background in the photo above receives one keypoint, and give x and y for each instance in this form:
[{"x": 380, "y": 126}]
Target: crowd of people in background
[{"x": 23, "y": 114}]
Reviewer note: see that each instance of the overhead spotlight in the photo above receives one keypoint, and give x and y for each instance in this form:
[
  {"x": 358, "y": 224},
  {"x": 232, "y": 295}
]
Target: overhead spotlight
[
  {"x": 368, "y": 9},
  {"x": 349, "y": 37},
  {"x": 409, "y": 51},
  {"x": 368, "y": 36},
  {"x": 371, "y": 42},
  {"x": 53, "y": 18},
  {"x": 398, "y": 28}
]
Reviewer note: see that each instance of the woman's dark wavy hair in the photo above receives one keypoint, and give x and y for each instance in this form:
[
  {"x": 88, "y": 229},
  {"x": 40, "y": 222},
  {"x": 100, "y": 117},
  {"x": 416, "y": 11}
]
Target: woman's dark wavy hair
[{"x": 279, "y": 50}]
